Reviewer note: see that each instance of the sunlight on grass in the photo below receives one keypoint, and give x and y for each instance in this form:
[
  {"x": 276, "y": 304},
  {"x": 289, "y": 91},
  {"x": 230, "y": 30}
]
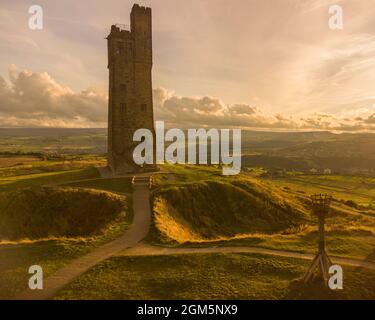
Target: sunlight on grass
[
  {"x": 198, "y": 208},
  {"x": 31, "y": 180},
  {"x": 209, "y": 276}
]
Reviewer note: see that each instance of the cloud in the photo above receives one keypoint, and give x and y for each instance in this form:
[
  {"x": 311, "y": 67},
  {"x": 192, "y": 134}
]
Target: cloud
[
  {"x": 36, "y": 99},
  {"x": 370, "y": 119},
  {"x": 211, "y": 112},
  {"x": 284, "y": 54},
  {"x": 243, "y": 109},
  {"x": 32, "y": 99}
]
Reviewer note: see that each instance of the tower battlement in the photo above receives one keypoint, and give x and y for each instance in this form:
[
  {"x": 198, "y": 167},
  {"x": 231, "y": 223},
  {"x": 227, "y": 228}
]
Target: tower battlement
[
  {"x": 137, "y": 7},
  {"x": 118, "y": 31},
  {"x": 130, "y": 105}
]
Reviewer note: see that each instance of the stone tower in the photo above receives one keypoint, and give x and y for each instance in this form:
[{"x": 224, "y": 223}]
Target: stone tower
[{"x": 130, "y": 88}]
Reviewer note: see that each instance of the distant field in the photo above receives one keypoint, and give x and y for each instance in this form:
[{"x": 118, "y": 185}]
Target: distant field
[
  {"x": 210, "y": 276},
  {"x": 68, "y": 141},
  {"x": 9, "y": 161},
  {"x": 343, "y": 153},
  {"x": 43, "y": 172},
  {"x": 357, "y": 188}
]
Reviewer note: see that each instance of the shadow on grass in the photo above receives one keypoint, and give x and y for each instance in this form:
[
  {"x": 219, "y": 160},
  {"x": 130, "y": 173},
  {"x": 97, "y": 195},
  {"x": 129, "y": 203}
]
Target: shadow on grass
[{"x": 315, "y": 290}]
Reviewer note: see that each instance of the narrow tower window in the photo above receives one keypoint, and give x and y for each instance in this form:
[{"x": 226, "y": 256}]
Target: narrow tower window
[
  {"x": 123, "y": 89},
  {"x": 123, "y": 108}
]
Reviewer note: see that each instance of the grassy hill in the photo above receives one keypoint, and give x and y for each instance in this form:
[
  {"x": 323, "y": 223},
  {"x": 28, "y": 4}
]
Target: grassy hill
[
  {"x": 197, "y": 206},
  {"x": 36, "y": 213},
  {"x": 61, "y": 224},
  {"x": 215, "y": 209}
]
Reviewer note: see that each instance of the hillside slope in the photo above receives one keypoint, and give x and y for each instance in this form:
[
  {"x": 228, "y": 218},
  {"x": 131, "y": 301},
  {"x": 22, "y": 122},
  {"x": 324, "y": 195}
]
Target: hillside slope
[
  {"x": 214, "y": 209},
  {"x": 36, "y": 213}
]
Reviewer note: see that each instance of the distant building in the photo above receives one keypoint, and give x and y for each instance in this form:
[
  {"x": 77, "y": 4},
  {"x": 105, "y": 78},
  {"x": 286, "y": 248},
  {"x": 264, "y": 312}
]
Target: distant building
[
  {"x": 130, "y": 88},
  {"x": 327, "y": 171},
  {"x": 313, "y": 171}
]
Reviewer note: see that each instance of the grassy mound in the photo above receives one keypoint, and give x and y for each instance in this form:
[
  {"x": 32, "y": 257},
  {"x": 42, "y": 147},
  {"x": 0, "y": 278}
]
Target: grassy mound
[
  {"x": 36, "y": 213},
  {"x": 210, "y": 210}
]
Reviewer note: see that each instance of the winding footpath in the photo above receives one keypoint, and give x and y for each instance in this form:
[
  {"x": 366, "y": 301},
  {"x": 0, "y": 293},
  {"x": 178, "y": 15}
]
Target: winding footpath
[
  {"x": 137, "y": 231},
  {"x": 129, "y": 244},
  {"x": 143, "y": 250}
]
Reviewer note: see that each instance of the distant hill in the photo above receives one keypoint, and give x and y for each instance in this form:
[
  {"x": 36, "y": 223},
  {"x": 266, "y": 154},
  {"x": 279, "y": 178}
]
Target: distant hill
[
  {"x": 344, "y": 153},
  {"x": 306, "y": 150}
]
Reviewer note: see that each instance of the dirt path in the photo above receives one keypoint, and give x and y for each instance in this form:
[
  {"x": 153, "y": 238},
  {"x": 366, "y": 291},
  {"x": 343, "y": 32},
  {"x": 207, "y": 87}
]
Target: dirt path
[
  {"x": 129, "y": 244},
  {"x": 143, "y": 249},
  {"x": 138, "y": 230}
]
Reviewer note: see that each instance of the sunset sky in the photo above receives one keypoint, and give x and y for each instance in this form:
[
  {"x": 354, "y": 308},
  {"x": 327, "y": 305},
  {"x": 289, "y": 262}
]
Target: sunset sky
[{"x": 266, "y": 64}]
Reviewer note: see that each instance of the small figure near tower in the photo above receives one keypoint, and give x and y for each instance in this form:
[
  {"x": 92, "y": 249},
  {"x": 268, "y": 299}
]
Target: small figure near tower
[
  {"x": 130, "y": 105},
  {"x": 321, "y": 263}
]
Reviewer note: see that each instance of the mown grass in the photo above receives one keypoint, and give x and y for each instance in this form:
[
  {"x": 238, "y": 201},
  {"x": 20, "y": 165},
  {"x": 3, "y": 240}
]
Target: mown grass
[{"x": 210, "y": 276}]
